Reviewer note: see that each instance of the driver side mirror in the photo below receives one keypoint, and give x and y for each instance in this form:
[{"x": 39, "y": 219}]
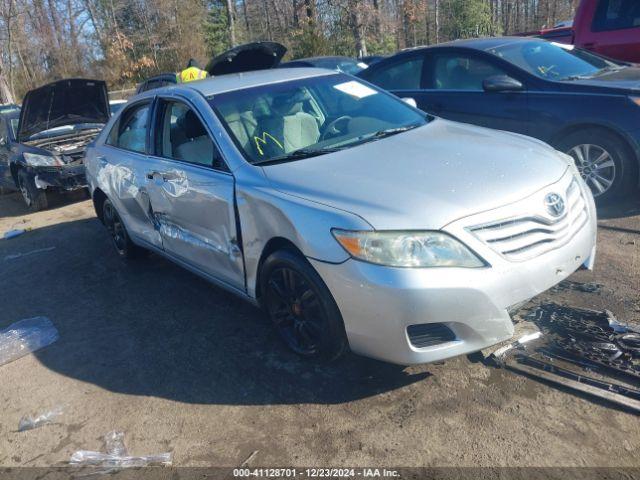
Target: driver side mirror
[
  {"x": 410, "y": 101},
  {"x": 502, "y": 83}
]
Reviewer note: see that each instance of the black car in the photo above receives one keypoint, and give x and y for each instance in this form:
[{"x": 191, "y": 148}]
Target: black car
[
  {"x": 44, "y": 149},
  {"x": 9, "y": 119},
  {"x": 341, "y": 64},
  {"x": 581, "y": 103}
]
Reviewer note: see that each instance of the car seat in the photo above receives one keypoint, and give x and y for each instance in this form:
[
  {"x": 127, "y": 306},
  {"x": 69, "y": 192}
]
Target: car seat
[{"x": 198, "y": 148}]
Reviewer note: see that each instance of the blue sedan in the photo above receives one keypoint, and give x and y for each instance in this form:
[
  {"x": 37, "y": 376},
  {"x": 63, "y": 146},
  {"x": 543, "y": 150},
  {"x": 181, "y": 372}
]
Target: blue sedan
[{"x": 582, "y": 104}]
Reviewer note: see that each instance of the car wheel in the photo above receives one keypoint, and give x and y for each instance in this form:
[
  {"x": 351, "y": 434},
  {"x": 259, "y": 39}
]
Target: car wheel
[
  {"x": 33, "y": 197},
  {"x": 124, "y": 246},
  {"x": 301, "y": 306},
  {"x": 604, "y": 162}
]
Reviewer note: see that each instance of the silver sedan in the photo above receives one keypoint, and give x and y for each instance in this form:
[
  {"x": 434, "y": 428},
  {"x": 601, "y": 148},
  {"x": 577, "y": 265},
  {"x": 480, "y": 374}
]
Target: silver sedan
[{"x": 355, "y": 220}]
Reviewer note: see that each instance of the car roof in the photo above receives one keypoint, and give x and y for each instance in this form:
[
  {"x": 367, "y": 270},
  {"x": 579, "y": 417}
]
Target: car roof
[
  {"x": 479, "y": 43},
  {"x": 238, "y": 81},
  {"x": 321, "y": 58}
]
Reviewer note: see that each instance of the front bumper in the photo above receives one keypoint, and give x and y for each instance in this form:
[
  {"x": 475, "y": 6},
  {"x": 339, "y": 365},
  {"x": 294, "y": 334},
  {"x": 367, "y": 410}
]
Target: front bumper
[
  {"x": 378, "y": 303},
  {"x": 67, "y": 178}
]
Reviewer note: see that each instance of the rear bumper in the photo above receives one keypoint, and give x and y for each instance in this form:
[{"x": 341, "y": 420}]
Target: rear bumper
[{"x": 67, "y": 178}]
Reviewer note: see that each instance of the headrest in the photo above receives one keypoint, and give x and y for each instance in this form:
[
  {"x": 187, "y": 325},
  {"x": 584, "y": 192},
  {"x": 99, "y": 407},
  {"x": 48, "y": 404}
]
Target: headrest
[
  {"x": 193, "y": 127},
  {"x": 261, "y": 108},
  {"x": 290, "y": 103}
]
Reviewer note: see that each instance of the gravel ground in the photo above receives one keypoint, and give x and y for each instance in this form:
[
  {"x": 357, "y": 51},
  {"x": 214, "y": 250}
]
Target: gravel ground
[{"x": 180, "y": 366}]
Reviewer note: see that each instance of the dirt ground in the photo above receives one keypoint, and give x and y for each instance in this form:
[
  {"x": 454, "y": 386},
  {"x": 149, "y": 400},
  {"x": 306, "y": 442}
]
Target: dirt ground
[{"x": 178, "y": 365}]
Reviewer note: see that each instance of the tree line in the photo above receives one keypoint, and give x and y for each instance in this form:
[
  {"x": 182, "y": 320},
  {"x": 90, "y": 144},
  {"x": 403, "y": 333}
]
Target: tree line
[{"x": 125, "y": 41}]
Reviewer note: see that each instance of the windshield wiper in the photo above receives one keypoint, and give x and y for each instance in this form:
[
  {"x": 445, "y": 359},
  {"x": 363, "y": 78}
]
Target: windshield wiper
[
  {"x": 298, "y": 155},
  {"x": 610, "y": 68},
  {"x": 393, "y": 131},
  {"x": 576, "y": 77}
]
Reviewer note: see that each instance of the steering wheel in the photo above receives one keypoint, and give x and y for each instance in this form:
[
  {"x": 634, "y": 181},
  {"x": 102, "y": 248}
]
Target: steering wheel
[{"x": 332, "y": 129}]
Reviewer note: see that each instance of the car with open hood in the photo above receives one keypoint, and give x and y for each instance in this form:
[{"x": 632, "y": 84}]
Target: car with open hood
[
  {"x": 356, "y": 220},
  {"x": 56, "y": 123},
  {"x": 242, "y": 58}
]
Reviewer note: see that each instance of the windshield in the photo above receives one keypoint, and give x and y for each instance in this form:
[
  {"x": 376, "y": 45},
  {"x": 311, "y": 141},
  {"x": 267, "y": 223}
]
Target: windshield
[
  {"x": 301, "y": 118},
  {"x": 553, "y": 61}
]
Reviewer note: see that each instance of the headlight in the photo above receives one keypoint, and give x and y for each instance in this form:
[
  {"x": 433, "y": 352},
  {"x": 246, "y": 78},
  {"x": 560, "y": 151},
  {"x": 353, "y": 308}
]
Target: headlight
[
  {"x": 407, "y": 249},
  {"x": 36, "y": 160},
  {"x": 635, "y": 100}
]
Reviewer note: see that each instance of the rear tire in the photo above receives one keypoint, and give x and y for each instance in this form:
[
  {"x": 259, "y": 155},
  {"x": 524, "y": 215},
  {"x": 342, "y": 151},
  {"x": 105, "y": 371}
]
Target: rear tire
[
  {"x": 33, "y": 197},
  {"x": 605, "y": 162},
  {"x": 301, "y": 307},
  {"x": 125, "y": 248}
]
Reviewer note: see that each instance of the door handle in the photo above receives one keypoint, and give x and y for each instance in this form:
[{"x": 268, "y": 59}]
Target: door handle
[{"x": 166, "y": 176}]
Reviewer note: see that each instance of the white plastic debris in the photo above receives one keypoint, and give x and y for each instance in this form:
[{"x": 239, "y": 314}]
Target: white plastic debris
[
  {"x": 28, "y": 422},
  {"x": 25, "y": 337},
  {"x": 116, "y": 456},
  {"x": 14, "y": 233}
]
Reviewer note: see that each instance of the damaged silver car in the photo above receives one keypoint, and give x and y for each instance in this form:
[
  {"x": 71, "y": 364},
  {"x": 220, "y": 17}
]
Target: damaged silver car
[
  {"x": 57, "y": 122},
  {"x": 355, "y": 220}
]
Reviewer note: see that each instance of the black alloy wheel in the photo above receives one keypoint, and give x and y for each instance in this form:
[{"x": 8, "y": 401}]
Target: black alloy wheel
[{"x": 301, "y": 306}]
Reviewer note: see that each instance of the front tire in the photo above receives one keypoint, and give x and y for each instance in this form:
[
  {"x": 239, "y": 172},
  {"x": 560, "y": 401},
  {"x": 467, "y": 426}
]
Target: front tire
[
  {"x": 301, "y": 306},
  {"x": 33, "y": 197},
  {"x": 605, "y": 162},
  {"x": 125, "y": 248}
]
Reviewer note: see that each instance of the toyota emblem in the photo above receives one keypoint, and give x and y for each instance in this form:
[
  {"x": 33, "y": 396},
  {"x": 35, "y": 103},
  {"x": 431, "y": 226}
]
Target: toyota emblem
[{"x": 554, "y": 204}]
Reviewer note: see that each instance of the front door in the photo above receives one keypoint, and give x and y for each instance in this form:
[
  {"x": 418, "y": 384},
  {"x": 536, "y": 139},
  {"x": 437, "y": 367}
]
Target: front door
[
  {"x": 454, "y": 90},
  {"x": 615, "y": 30},
  {"x": 192, "y": 195}
]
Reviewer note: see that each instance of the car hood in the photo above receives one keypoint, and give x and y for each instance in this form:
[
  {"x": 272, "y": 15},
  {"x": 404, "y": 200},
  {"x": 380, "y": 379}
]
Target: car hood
[
  {"x": 424, "y": 178},
  {"x": 627, "y": 78},
  {"x": 65, "y": 102},
  {"x": 247, "y": 57}
]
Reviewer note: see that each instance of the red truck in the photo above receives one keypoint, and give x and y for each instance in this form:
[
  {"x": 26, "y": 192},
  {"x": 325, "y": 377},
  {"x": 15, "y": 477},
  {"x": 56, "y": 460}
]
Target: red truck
[{"x": 608, "y": 27}]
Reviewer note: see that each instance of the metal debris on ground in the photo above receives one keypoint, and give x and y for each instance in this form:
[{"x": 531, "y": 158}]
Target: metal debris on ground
[
  {"x": 25, "y": 337},
  {"x": 116, "y": 456},
  {"x": 250, "y": 458},
  {"x": 29, "y": 423},
  {"x": 568, "y": 285},
  {"x": 574, "y": 342}
]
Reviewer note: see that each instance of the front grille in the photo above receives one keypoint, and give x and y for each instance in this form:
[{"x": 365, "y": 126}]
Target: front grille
[
  {"x": 429, "y": 334},
  {"x": 523, "y": 238}
]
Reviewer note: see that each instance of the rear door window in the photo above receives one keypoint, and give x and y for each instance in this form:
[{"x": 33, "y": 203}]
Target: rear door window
[
  {"x": 130, "y": 131},
  {"x": 616, "y": 15}
]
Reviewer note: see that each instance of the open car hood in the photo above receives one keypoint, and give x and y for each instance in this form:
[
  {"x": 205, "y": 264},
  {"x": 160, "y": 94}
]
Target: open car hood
[
  {"x": 65, "y": 102},
  {"x": 247, "y": 57}
]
